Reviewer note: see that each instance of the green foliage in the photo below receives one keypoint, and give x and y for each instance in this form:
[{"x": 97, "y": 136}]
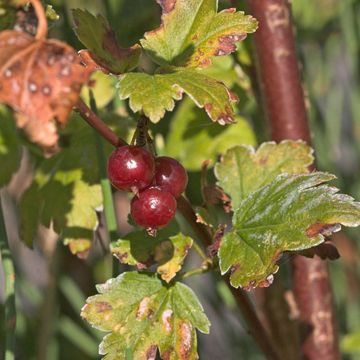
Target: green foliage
[
  {"x": 143, "y": 314},
  {"x": 192, "y": 139},
  {"x": 153, "y": 94},
  {"x": 10, "y": 149},
  {"x": 292, "y": 213},
  {"x": 192, "y": 32},
  {"x": 142, "y": 250},
  {"x": 351, "y": 343},
  {"x": 65, "y": 194},
  {"x": 96, "y": 34},
  {"x": 243, "y": 169}
]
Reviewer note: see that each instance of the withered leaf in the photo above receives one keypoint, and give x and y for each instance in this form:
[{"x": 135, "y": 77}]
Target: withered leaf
[{"x": 41, "y": 80}]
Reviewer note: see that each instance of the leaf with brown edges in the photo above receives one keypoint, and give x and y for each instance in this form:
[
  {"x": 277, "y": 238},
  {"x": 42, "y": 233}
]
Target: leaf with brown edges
[
  {"x": 41, "y": 80},
  {"x": 193, "y": 31}
]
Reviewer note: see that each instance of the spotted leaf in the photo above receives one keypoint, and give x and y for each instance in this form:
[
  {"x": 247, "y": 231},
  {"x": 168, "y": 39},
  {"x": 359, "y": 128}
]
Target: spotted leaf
[
  {"x": 142, "y": 250},
  {"x": 103, "y": 50},
  {"x": 41, "y": 80},
  {"x": 192, "y": 31},
  {"x": 243, "y": 169},
  {"x": 292, "y": 213},
  {"x": 154, "y": 94},
  {"x": 143, "y": 315}
]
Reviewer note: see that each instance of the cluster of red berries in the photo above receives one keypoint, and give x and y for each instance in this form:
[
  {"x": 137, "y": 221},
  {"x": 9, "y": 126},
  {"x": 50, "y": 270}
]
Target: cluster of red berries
[{"x": 156, "y": 182}]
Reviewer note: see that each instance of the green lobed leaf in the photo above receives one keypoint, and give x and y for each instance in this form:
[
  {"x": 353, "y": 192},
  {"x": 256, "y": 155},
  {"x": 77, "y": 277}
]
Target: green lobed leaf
[
  {"x": 143, "y": 314},
  {"x": 154, "y": 94},
  {"x": 65, "y": 193},
  {"x": 292, "y": 213},
  {"x": 98, "y": 37},
  {"x": 192, "y": 139},
  {"x": 10, "y": 148},
  {"x": 192, "y": 31},
  {"x": 243, "y": 169},
  {"x": 142, "y": 250}
]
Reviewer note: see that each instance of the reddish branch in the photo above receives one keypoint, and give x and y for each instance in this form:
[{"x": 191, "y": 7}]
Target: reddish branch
[
  {"x": 284, "y": 103},
  {"x": 93, "y": 120}
]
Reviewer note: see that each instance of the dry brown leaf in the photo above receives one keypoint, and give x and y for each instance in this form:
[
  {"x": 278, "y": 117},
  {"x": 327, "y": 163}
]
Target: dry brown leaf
[{"x": 41, "y": 80}]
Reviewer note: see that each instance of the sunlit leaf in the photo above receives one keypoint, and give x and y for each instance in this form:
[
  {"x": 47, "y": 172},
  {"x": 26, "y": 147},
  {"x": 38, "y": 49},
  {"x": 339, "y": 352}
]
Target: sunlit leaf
[
  {"x": 65, "y": 194},
  {"x": 243, "y": 169},
  {"x": 292, "y": 213},
  {"x": 154, "y": 94},
  {"x": 192, "y": 31},
  {"x": 142, "y": 314}
]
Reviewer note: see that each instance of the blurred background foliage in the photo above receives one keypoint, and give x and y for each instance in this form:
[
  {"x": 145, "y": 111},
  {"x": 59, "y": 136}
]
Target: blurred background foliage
[{"x": 52, "y": 284}]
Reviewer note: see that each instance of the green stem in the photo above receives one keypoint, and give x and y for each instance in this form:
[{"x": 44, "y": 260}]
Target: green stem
[
  {"x": 200, "y": 251},
  {"x": 9, "y": 272},
  {"x": 196, "y": 271}
]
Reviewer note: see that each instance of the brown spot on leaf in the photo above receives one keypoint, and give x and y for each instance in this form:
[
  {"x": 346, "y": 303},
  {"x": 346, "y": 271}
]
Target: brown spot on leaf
[
  {"x": 166, "y": 355},
  {"x": 166, "y": 319},
  {"x": 27, "y": 65},
  {"x": 185, "y": 340},
  {"x": 234, "y": 268},
  {"x": 151, "y": 352},
  {"x": 102, "y": 306},
  {"x": 323, "y": 229},
  {"x": 167, "y": 5},
  {"x": 144, "y": 310}
]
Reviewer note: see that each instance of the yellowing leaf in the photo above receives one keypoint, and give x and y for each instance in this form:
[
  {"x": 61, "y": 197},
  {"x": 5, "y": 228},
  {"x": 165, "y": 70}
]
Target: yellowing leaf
[
  {"x": 292, "y": 213},
  {"x": 65, "y": 193},
  {"x": 143, "y": 315},
  {"x": 154, "y": 94},
  {"x": 243, "y": 169},
  {"x": 192, "y": 31}
]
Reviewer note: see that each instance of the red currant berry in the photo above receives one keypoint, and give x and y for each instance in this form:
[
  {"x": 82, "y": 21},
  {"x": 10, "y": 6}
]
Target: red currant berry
[
  {"x": 131, "y": 168},
  {"x": 153, "y": 208},
  {"x": 170, "y": 175}
]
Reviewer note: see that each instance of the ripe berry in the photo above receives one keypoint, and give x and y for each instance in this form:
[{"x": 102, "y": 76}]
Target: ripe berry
[
  {"x": 131, "y": 168},
  {"x": 153, "y": 208},
  {"x": 170, "y": 175}
]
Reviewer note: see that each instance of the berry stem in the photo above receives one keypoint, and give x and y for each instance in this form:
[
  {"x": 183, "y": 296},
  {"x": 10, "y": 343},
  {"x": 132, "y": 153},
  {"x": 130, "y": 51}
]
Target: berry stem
[
  {"x": 42, "y": 28},
  {"x": 93, "y": 120},
  {"x": 9, "y": 272},
  {"x": 196, "y": 271}
]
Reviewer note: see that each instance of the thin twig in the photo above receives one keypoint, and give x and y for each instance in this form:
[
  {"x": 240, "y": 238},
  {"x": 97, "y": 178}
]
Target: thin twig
[
  {"x": 42, "y": 28},
  {"x": 9, "y": 272},
  {"x": 93, "y": 120}
]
